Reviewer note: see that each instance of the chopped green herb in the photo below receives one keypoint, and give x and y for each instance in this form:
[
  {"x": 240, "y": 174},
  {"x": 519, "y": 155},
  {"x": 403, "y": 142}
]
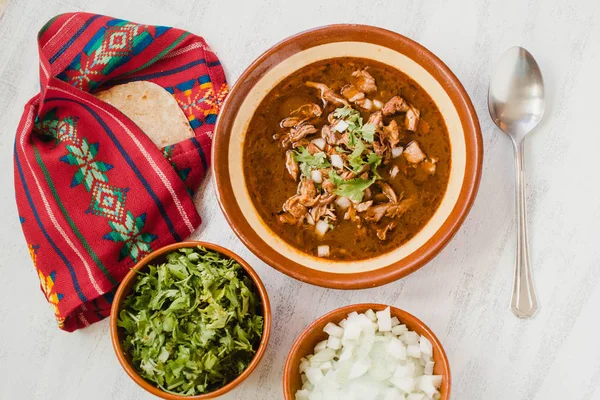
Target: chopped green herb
[
  {"x": 354, "y": 188},
  {"x": 368, "y": 132},
  {"x": 355, "y": 125},
  {"x": 374, "y": 160},
  {"x": 345, "y": 112},
  {"x": 355, "y": 159},
  {"x": 335, "y": 178},
  {"x": 340, "y": 150},
  {"x": 192, "y": 324},
  {"x": 305, "y": 169},
  {"x": 309, "y": 161}
]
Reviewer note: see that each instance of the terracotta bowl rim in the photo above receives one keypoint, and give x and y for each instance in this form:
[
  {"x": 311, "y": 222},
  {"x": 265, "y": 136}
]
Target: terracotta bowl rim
[
  {"x": 339, "y": 313},
  {"x": 120, "y": 296},
  {"x": 340, "y": 33}
]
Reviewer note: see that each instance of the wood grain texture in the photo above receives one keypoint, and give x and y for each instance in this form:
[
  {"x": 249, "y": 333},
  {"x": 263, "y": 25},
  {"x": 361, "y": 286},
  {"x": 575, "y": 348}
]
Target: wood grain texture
[{"x": 462, "y": 295}]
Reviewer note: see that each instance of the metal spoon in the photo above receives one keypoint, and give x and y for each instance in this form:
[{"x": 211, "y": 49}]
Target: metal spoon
[{"x": 516, "y": 103}]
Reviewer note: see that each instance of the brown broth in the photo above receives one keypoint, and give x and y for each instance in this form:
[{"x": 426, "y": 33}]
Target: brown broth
[{"x": 270, "y": 185}]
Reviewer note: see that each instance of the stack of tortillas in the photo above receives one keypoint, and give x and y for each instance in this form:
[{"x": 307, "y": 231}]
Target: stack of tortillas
[{"x": 154, "y": 110}]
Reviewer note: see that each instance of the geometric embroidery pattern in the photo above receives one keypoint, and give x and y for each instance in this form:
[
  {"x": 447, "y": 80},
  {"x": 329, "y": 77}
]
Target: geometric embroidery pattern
[
  {"x": 168, "y": 155},
  {"x": 197, "y": 98},
  {"x": 47, "y": 285},
  {"x": 114, "y": 46},
  {"x": 106, "y": 201},
  {"x": 84, "y": 157},
  {"x": 118, "y": 42},
  {"x": 129, "y": 231}
]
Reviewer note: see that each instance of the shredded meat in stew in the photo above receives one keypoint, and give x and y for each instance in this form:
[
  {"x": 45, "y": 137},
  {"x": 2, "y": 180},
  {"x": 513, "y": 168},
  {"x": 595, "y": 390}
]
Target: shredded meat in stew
[{"x": 347, "y": 158}]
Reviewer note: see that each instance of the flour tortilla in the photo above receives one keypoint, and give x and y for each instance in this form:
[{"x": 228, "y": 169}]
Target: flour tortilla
[{"x": 154, "y": 110}]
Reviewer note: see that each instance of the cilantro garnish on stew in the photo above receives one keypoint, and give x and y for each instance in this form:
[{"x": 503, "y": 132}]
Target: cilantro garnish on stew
[{"x": 193, "y": 323}]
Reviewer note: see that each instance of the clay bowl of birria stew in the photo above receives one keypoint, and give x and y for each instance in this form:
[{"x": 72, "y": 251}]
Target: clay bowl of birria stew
[{"x": 347, "y": 156}]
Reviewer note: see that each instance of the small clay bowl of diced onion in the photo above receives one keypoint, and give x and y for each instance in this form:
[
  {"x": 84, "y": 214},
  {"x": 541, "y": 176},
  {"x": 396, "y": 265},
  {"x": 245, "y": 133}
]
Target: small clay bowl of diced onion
[{"x": 367, "y": 351}]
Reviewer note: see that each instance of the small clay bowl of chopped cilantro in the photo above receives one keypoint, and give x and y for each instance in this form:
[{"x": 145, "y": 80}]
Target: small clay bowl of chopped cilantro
[{"x": 190, "y": 320}]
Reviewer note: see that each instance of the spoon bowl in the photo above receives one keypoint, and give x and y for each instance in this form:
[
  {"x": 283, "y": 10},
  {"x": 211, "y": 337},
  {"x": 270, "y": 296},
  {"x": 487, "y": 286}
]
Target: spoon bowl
[
  {"x": 516, "y": 96},
  {"x": 516, "y": 102}
]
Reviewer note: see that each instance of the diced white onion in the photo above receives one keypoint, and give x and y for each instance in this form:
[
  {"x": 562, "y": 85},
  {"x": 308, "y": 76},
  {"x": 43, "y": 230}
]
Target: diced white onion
[
  {"x": 340, "y": 126},
  {"x": 352, "y": 331},
  {"x": 378, "y": 105},
  {"x": 413, "y": 350},
  {"x": 321, "y": 346},
  {"x": 323, "y": 251},
  {"x": 425, "y": 346},
  {"x": 336, "y": 161},
  {"x": 399, "y": 330},
  {"x": 334, "y": 343},
  {"x": 428, "y": 370},
  {"x": 304, "y": 364},
  {"x": 429, "y": 384},
  {"x": 410, "y": 337},
  {"x": 322, "y": 227},
  {"x": 302, "y": 394},
  {"x": 367, "y": 104},
  {"x": 371, "y": 315},
  {"x": 405, "y": 371},
  {"x": 326, "y": 366},
  {"x": 359, "y": 368},
  {"x": 394, "y": 171},
  {"x": 343, "y": 202},
  {"x": 397, "y": 152},
  {"x": 360, "y": 361},
  {"x": 333, "y": 330},
  {"x": 384, "y": 320},
  {"x": 397, "y": 349},
  {"x": 319, "y": 142},
  {"x": 316, "y": 176},
  {"x": 314, "y": 374}
]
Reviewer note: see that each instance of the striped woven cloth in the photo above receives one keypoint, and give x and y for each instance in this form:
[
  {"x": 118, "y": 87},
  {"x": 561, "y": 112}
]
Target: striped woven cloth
[{"x": 94, "y": 193}]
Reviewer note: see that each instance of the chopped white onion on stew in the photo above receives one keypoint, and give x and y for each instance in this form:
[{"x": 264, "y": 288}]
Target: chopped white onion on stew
[
  {"x": 320, "y": 143},
  {"x": 343, "y": 202},
  {"x": 316, "y": 176},
  {"x": 341, "y": 126},
  {"x": 321, "y": 227},
  {"x": 323, "y": 251},
  {"x": 336, "y": 161},
  {"x": 397, "y": 152}
]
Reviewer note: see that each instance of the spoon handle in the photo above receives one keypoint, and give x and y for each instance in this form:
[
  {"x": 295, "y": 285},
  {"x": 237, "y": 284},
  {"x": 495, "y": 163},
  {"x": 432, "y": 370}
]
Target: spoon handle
[{"x": 524, "y": 300}]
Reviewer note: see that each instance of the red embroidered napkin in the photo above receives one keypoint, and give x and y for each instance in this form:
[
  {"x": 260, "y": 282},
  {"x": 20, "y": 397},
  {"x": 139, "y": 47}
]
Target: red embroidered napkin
[{"x": 94, "y": 193}]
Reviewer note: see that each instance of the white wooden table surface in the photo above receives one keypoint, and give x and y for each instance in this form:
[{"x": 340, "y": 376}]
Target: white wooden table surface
[{"x": 463, "y": 294}]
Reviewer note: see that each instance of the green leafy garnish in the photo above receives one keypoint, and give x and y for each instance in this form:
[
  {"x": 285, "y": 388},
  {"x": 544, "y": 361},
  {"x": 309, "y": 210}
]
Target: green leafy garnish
[
  {"x": 354, "y": 188},
  {"x": 374, "y": 160},
  {"x": 341, "y": 150},
  {"x": 335, "y": 178},
  {"x": 309, "y": 161},
  {"x": 192, "y": 324},
  {"x": 355, "y": 159},
  {"x": 368, "y": 132},
  {"x": 355, "y": 125},
  {"x": 345, "y": 112}
]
